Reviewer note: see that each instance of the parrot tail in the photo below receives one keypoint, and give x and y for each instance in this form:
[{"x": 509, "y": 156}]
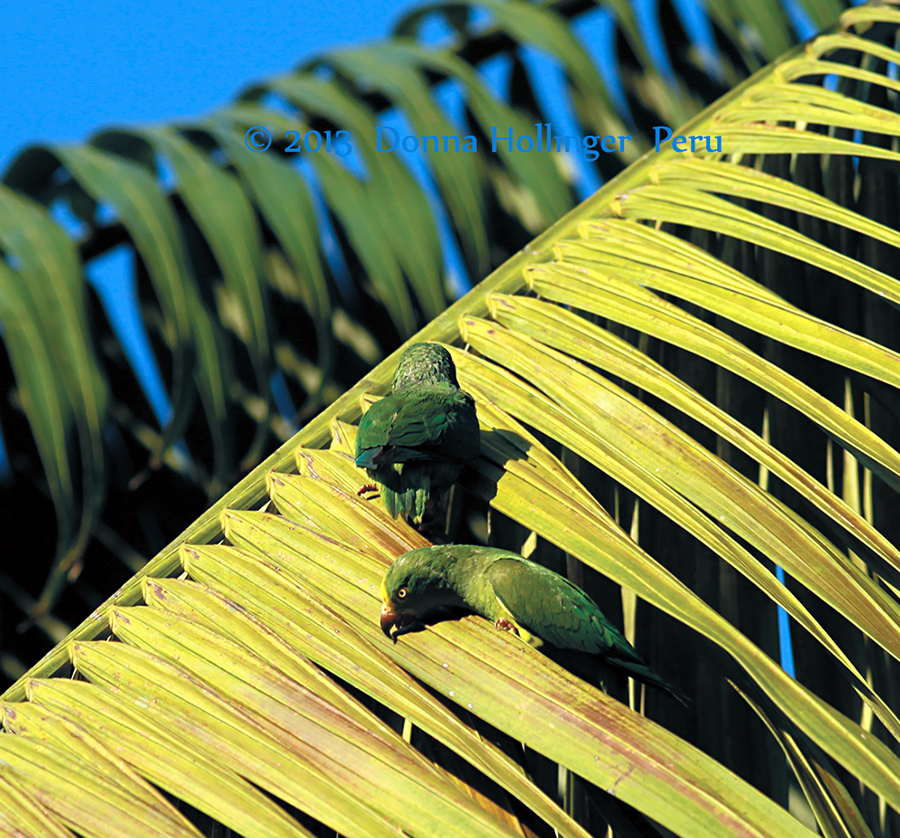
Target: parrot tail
[
  {"x": 641, "y": 672},
  {"x": 408, "y": 501}
]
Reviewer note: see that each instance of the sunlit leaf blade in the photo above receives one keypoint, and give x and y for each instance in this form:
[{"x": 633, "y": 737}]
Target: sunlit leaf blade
[
  {"x": 86, "y": 784},
  {"x": 665, "y": 204},
  {"x": 358, "y": 754},
  {"x": 269, "y": 755},
  {"x": 155, "y": 752},
  {"x": 563, "y": 330},
  {"x": 523, "y": 495},
  {"x": 752, "y": 185},
  {"x": 558, "y": 327},
  {"x": 22, "y": 814},
  {"x": 599, "y": 292},
  {"x": 656, "y": 445}
]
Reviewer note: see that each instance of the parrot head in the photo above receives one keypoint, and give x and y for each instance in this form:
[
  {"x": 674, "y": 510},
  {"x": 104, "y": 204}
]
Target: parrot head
[
  {"x": 424, "y": 363},
  {"x": 416, "y": 585}
]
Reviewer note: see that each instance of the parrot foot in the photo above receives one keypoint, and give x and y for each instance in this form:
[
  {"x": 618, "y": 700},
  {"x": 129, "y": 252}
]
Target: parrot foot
[
  {"x": 505, "y": 625},
  {"x": 430, "y": 527},
  {"x": 369, "y": 487},
  {"x": 433, "y": 523}
]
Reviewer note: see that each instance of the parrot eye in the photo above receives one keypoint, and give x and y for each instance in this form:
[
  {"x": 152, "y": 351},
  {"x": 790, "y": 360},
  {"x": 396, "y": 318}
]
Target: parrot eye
[{"x": 403, "y": 593}]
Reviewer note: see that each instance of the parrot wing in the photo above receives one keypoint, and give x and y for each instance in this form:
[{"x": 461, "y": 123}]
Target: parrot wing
[
  {"x": 549, "y": 607},
  {"x": 545, "y": 606},
  {"x": 422, "y": 423}
]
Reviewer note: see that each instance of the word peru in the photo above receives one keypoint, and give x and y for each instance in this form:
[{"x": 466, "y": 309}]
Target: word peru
[{"x": 698, "y": 142}]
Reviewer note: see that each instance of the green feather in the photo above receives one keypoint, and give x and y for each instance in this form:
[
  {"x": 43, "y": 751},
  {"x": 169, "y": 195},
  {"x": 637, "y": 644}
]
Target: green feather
[
  {"x": 414, "y": 442},
  {"x": 546, "y": 609}
]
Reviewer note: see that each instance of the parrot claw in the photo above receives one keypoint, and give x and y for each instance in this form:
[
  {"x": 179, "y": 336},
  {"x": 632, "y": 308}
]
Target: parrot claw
[
  {"x": 369, "y": 487},
  {"x": 503, "y": 624},
  {"x": 430, "y": 526}
]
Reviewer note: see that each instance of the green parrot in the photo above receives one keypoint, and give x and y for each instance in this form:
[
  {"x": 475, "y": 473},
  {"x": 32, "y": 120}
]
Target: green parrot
[
  {"x": 543, "y": 608},
  {"x": 414, "y": 442}
]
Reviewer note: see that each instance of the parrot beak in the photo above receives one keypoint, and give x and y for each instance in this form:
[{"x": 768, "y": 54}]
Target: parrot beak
[{"x": 390, "y": 619}]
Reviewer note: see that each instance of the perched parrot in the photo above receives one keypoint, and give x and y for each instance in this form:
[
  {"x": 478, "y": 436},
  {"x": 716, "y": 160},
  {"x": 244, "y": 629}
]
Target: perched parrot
[
  {"x": 414, "y": 442},
  {"x": 543, "y": 608}
]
